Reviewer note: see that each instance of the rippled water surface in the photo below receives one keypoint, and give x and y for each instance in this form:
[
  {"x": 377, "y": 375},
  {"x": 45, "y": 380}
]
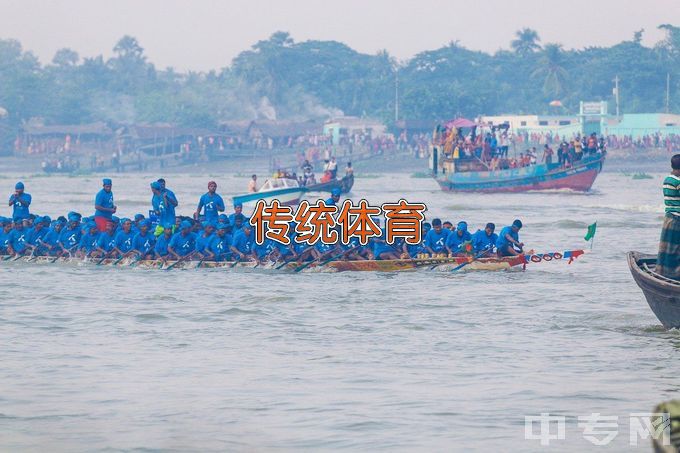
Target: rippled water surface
[{"x": 96, "y": 358}]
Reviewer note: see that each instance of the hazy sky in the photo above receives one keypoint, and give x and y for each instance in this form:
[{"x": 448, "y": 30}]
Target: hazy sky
[{"x": 207, "y": 34}]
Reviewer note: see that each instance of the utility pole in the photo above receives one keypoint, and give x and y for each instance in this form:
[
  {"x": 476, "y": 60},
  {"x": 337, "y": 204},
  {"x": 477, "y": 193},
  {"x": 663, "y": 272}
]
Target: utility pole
[
  {"x": 668, "y": 92},
  {"x": 396, "y": 94},
  {"x": 616, "y": 93}
]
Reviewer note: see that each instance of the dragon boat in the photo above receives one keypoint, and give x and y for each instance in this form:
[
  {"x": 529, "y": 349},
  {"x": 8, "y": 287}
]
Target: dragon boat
[{"x": 457, "y": 263}]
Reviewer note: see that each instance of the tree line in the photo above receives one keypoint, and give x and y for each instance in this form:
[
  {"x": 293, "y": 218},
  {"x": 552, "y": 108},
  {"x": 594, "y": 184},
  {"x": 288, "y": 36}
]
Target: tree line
[{"x": 283, "y": 79}]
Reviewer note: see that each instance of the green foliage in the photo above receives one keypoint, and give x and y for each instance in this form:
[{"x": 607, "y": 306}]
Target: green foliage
[{"x": 284, "y": 79}]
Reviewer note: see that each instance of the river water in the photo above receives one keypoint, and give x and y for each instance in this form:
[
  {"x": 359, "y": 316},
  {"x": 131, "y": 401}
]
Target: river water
[{"x": 96, "y": 358}]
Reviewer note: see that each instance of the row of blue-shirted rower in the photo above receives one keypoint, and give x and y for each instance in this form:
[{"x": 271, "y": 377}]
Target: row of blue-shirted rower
[{"x": 220, "y": 237}]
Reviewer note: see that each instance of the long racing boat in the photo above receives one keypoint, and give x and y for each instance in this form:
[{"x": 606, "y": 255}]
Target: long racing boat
[{"x": 456, "y": 263}]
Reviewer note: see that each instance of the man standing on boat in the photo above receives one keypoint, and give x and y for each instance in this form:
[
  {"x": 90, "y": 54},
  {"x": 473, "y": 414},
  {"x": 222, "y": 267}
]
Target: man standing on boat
[
  {"x": 668, "y": 260},
  {"x": 163, "y": 202},
  {"x": 252, "y": 184},
  {"x": 103, "y": 205},
  {"x": 211, "y": 203},
  {"x": 19, "y": 202}
]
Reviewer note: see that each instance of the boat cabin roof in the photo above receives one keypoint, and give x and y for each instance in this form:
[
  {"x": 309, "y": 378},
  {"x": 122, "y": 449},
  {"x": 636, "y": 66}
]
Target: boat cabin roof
[{"x": 278, "y": 183}]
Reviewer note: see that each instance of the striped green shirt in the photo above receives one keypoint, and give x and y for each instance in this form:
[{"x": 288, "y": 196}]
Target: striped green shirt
[{"x": 671, "y": 194}]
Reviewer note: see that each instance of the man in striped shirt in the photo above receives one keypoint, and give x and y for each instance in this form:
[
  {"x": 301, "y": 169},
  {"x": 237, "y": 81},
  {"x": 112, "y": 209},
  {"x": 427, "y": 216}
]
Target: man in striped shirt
[{"x": 668, "y": 261}]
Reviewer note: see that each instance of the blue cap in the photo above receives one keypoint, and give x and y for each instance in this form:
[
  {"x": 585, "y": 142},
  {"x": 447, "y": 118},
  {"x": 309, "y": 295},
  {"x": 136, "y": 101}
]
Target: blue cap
[
  {"x": 238, "y": 204},
  {"x": 106, "y": 182},
  {"x": 46, "y": 219},
  {"x": 207, "y": 224},
  {"x": 115, "y": 219},
  {"x": 336, "y": 192},
  {"x": 156, "y": 185},
  {"x": 168, "y": 226},
  {"x": 139, "y": 217},
  {"x": 223, "y": 226},
  {"x": 462, "y": 226},
  {"x": 74, "y": 216},
  {"x": 145, "y": 223},
  {"x": 223, "y": 218},
  {"x": 517, "y": 223},
  {"x": 185, "y": 224},
  {"x": 19, "y": 186}
]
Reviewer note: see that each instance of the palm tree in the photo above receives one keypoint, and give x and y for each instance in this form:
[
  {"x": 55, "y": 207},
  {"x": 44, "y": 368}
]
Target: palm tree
[
  {"x": 526, "y": 41},
  {"x": 550, "y": 68}
]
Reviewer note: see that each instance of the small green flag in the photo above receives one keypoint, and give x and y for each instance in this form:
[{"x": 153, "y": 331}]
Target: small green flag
[{"x": 591, "y": 231}]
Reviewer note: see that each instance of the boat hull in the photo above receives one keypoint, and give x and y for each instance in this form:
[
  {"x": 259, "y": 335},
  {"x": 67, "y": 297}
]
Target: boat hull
[
  {"x": 537, "y": 177},
  {"x": 288, "y": 196},
  {"x": 345, "y": 185},
  {"x": 662, "y": 294},
  {"x": 442, "y": 264}
]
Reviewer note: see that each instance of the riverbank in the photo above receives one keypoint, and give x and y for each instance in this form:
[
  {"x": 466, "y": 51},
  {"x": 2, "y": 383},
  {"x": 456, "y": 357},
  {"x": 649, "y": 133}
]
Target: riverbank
[{"x": 618, "y": 160}]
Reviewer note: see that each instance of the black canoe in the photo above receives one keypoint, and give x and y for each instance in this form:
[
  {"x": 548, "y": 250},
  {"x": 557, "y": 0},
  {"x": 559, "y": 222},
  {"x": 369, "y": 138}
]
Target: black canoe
[
  {"x": 662, "y": 294},
  {"x": 345, "y": 184}
]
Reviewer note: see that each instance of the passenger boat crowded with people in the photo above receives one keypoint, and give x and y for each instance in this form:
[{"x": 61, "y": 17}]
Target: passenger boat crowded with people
[{"x": 476, "y": 163}]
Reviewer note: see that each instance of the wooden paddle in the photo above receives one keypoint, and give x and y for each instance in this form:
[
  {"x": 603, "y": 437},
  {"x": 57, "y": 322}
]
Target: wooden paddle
[
  {"x": 476, "y": 257},
  {"x": 106, "y": 255},
  {"x": 288, "y": 261},
  {"x": 318, "y": 260},
  {"x": 124, "y": 255},
  {"x": 184, "y": 258}
]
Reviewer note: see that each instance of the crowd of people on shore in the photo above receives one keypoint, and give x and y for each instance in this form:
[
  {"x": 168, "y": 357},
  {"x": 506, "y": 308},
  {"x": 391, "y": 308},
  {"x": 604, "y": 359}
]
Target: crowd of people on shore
[
  {"x": 670, "y": 142},
  {"x": 210, "y": 234}
]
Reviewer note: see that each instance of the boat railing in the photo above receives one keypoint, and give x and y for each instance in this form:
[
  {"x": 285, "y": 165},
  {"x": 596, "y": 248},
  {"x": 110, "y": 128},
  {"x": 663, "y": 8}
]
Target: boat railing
[{"x": 654, "y": 274}]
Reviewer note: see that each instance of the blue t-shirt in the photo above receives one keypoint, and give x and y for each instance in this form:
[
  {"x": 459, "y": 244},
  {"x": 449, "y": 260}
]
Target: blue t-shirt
[
  {"x": 211, "y": 206},
  {"x": 453, "y": 242},
  {"x": 143, "y": 243},
  {"x": 202, "y": 242},
  {"x": 105, "y": 200},
  {"x": 70, "y": 237},
  {"x": 106, "y": 241},
  {"x": 36, "y": 234},
  {"x": 183, "y": 245},
  {"x": 88, "y": 242},
  {"x": 502, "y": 242},
  {"x": 263, "y": 250},
  {"x": 167, "y": 211},
  {"x": 242, "y": 242},
  {"x": 19, "y": 211},
  {"x": 161, "y": 247},
  {"x": 480, "y": 241},
  {"x": 4, "y": 240},
  {"x": 436, "y": 241},
  {"x": 51, "y": 237},
  {"x": 18, "y": 240},
  {"x": 220, "y": 246},
  {"x": 124, "y": 241},
  {"x": 380, "y": 246}
]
